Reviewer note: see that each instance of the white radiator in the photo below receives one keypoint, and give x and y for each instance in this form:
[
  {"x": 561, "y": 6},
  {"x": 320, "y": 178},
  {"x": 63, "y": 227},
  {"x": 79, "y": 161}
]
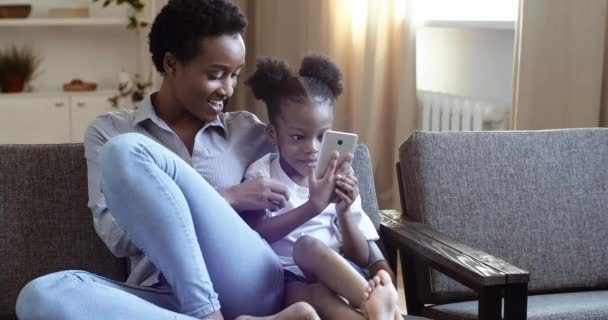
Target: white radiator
[{"x": 447, "y": 112}]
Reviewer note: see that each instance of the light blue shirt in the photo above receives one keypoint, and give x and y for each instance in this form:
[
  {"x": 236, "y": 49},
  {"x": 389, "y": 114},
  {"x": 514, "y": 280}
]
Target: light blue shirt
[{"x": 223, "y": 149}]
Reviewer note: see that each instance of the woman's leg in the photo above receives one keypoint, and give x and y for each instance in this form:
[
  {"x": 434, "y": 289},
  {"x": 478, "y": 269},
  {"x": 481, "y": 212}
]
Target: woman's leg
[
  {"x": 202, "y": 246},
  {"x": 80, "y": 295},
  {"x": 315, "y": 258}
]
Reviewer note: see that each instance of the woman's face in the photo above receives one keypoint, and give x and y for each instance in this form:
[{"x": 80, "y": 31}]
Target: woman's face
[{"x": 202, "y": 85}]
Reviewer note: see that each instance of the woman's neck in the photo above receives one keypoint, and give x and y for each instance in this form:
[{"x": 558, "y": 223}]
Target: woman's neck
[
  {"x": 167, "y": 107},
  {"x": 183, "y": 124}
]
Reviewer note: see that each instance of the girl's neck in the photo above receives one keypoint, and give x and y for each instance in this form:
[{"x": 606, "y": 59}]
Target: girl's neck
[{"x": 294, "y": 175}]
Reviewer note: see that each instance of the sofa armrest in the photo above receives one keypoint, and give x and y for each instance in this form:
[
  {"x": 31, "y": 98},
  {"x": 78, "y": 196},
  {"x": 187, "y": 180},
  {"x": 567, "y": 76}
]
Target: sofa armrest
[
  {"x": 486, "y": 274},
  {"x": 478, "y": 267}
]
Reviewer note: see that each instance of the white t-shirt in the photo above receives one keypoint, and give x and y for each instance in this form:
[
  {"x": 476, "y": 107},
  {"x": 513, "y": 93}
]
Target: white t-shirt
[{"x": 324, "y": 226}]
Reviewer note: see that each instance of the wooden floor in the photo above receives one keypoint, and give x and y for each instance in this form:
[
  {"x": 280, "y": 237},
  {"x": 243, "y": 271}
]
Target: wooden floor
[{"x": 400, "y": 288}]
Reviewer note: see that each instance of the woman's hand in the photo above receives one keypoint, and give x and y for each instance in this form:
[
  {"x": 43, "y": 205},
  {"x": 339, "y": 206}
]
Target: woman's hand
[
  {"x": 257, "y": 194},
  {"x": 322, "y": 189},
  {"x": 347, "y": 190}
]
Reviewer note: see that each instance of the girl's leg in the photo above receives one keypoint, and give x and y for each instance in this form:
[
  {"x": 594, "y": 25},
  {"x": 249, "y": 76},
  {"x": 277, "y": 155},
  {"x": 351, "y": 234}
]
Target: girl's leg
[
  {"x": 315, "y": 258},
  {"x": 204, "y": 249},
  {"x": 80, "y": 295},
  {"x": 327, "y": 304}
]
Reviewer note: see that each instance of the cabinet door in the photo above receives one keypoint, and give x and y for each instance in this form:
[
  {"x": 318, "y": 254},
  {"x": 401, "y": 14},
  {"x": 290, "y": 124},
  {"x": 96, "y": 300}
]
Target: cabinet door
[
  {"x": 32, "y": 120},
  {"x": 84, "y": 110}
]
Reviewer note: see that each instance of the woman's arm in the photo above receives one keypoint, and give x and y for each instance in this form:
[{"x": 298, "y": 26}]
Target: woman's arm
[
  {"x": 106, "y": 227},
  {"x": 256, "y": 194},
  {"x": 278, "y": 227}
]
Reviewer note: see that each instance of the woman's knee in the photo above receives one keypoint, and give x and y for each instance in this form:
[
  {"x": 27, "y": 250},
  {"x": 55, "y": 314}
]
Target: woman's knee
[
  {"x": 43, "y": 297},
  {"x": 120, "y": 147},
  {"x": 120, "y": 153}
]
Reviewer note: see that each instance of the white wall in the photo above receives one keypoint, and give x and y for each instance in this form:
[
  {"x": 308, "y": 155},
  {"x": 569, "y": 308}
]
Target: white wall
[{"x": 464, "y": 61}]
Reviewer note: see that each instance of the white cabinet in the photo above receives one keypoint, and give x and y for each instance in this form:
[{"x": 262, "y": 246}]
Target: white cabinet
[
  {"x": 49, "y": 118},
  {"x": 83, "y": 110},
  {"x": 34, "y": 120}
]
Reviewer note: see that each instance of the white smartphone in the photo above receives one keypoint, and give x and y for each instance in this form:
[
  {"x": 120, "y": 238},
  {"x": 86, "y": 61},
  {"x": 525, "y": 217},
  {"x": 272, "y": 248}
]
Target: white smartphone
[{"x": 343, "y": 142}]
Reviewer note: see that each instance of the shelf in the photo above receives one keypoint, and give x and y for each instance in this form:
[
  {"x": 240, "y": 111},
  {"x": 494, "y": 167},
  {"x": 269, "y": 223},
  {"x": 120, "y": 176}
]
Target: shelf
[
  {"x": 59, "y": 22},
  {"x": 102, "y": 92},
  {"x": 463, "y": 24}
]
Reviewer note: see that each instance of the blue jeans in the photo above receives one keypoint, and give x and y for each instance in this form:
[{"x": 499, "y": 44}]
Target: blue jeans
[{"x": 207, "y": 253}]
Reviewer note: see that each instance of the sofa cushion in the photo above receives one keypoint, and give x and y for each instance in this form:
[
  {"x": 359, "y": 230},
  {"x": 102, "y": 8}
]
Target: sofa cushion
[
  {"x": 45, "y": 225},
  {"x": 589, "y": 305},
  {"x": 538, "y": 200}
]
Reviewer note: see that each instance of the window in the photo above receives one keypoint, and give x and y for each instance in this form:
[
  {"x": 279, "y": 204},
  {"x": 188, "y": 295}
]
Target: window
[{"x": 465, "y": 10}]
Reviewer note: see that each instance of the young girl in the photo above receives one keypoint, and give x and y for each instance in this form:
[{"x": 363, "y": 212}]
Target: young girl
[{"x": 326, "y": 248}]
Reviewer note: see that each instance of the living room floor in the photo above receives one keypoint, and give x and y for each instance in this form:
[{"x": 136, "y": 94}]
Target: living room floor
[{"x": 400, "y": 289}]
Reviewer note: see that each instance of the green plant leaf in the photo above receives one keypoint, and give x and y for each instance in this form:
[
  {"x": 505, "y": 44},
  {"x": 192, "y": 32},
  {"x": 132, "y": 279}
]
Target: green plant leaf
[{"x": 136, "y": 5}]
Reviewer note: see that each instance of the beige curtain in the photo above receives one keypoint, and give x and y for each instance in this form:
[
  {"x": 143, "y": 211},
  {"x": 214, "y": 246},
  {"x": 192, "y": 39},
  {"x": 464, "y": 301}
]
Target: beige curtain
[
  {"x": 372, "y": 42},
  {"x": 604, "y": 105}
]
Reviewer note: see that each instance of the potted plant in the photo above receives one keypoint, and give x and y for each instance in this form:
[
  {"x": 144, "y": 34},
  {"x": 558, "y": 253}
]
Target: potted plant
[
  {"x": 135, "y": 7},
  {"x": 17, "y": 67}
]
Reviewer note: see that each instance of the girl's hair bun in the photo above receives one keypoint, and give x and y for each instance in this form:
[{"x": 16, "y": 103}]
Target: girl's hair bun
[
  {"x": 323, "y": 69},
  {"x": 270, "y": 73}
]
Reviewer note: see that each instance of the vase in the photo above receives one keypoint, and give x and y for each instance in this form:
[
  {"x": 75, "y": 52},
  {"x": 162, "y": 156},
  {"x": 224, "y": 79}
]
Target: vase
[{"x": 13, "y": 83}]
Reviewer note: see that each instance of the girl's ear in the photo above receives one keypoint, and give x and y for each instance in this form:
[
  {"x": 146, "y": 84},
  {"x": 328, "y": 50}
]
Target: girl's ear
[{"x": 271, "y": 131}]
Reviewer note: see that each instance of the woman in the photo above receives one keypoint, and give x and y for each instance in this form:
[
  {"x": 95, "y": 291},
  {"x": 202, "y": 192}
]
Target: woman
[{"x": 165, "y": 188}]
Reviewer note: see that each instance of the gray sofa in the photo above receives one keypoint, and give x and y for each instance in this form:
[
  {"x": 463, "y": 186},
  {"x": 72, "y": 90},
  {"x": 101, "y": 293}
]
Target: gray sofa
[
  {"x": 45, "y": 225},
  {"x": 519, "y": 218}
]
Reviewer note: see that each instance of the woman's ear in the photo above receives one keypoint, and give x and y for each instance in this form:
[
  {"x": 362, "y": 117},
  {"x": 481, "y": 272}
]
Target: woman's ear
[
  {"x": 169, "y": 63},
  {"x": 271, "y": 131}
]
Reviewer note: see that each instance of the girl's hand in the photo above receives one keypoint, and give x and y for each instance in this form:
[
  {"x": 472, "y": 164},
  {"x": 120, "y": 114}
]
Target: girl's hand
[
  {"x": 321, "y": 189},
  {"x": 347, "y": 189}
]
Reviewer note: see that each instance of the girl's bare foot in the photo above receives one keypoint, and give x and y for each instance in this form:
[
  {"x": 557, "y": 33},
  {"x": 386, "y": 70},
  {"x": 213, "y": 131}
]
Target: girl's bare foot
[
  {"x": 296, "y": 311},
  {"x": 382, "y": 301},
  {"x": 368, "y": 290}
]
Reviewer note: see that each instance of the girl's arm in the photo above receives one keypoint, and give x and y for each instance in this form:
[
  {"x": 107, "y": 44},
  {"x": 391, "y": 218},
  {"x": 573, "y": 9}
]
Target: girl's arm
[
  {"x": 354, "y": 242},
  {"x": 276, "y": 228}
]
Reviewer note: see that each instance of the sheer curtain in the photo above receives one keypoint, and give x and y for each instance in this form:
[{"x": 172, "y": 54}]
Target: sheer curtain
[
  {"x": 604, "y": 106},
  {"x": 373, "y": 42}
]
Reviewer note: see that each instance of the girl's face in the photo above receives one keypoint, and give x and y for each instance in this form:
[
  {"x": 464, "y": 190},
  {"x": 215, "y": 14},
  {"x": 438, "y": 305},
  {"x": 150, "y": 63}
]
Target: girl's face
[
  {"x": 298, "y": 132},
  {"x": 202, "y": 85}
]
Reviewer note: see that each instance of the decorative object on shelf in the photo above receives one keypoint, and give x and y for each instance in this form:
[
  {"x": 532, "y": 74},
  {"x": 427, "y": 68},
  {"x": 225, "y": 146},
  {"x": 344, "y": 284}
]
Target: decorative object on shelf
[
  {"x": 15, "y": 11},
  {"x": 135, "y": 7},
  {"x": 79, "y": 85},
  {"x": 76, "y": 12},
  {"x": 17, "y": 67},
  {"x": 129, "y": 89}
]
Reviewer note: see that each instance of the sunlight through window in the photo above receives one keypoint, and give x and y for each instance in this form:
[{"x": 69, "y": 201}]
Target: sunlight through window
[{"x": 465, "y": 10}]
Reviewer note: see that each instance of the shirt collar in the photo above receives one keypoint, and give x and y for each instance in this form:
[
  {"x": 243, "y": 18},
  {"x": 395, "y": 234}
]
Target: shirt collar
[{"x": 146, "y": 111}]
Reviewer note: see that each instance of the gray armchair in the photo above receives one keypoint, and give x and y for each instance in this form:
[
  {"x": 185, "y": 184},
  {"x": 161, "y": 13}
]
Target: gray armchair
[{"x": 509, "y": 225}]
